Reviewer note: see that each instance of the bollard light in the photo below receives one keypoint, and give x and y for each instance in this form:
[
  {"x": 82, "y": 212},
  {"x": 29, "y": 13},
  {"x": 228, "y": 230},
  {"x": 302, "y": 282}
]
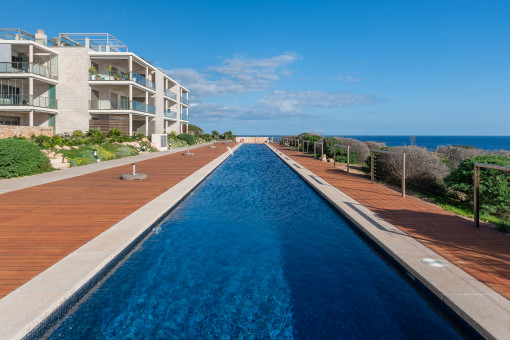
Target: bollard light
[
  {"x": 144, "y": 148},
  {"x": 134, "y": 167},
  {"x": 95, "y": 155}
]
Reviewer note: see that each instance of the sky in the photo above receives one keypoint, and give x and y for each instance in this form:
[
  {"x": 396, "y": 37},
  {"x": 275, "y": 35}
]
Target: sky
[{"x": 354, "y": 67}]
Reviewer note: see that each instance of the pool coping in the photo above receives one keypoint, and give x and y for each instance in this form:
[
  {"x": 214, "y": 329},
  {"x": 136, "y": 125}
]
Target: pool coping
[
  {"x": 31, "y": 304},
  {"x": 479, "y": 306}
]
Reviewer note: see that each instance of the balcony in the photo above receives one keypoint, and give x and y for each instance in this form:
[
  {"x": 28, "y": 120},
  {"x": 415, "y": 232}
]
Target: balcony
[
  {"x": 110, "y": 77},
  {"x": 184, "y": 100},
  {"x": 138, "y": 78},
  {"x": 121, "y": 105},
  {"x": 25, "y": 100},
  {"x": 26, "y": 67},
  {"x": 184, "y": 116},
  {"x": 170, "y": 114},
  {"x": 171, "y": 94}
]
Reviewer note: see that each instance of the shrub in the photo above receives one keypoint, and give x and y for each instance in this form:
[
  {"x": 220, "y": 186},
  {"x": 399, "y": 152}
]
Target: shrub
[
  {"x": 494, "y": 184},
  {"x": 310, "y": 137},
  {"x": 454, "y": 155},
  {"x": 195, "y": 129},
  {"x": 359, "y": 150},
  {"x": 95, "y": 132},
  {"x": 228, "y": 135},
  {"x": 78, "y": 133},
  {"x": 42, "y": 141},
  {"x": 114, "y": 133},
  {"x": 188, "y": 138},
  {"x": 21, "y": 158},
  {"x": 206, "y": 137},
  {"x": 215, "y": 134},
  {"x": 375, "y": 145},
  {"x": 126, "y": 151},
  {"x": 424, "y": 170}
]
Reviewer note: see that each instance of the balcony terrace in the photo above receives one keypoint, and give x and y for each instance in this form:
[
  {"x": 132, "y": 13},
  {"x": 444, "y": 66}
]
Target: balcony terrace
[{"x": 27, "y": 100}]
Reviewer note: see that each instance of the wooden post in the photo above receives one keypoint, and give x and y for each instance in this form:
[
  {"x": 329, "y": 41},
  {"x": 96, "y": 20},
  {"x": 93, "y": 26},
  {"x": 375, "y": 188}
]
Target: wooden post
[
  {"x": 403, "y": 175},
  {"x": 372, "y": 166},
  {"x": 348, "y": 167},
  {"x": 476, "y": 186}
]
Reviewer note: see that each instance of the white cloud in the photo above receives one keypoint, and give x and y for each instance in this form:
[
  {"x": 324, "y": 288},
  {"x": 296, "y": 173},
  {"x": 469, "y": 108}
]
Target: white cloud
[
  {"x": 299, "y": 101},
  {"x": 235, "y": 75},
  {"x": 348, "y": 77}
]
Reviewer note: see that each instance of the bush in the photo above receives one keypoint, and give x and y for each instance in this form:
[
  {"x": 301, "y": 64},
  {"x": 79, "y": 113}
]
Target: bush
[
  {"x": 359, "y": 150},
  {"x": 375, "y": 145},
  {"x": 424, "y": 170},
  {"x": 454, "y": 155},
  {"x": 20, "y": 157},
  {"x": 228, "y": 135},
  {"x": 195, "y": 129},
  {"x": 494, "y": 184},
  {"x": 188, "y": 138},
  {"x": 78, "y": 133},
  {"x": 114, "y": 133},
  {"x": 310, "y": 137},
  {"x": 215, "y": 134}
]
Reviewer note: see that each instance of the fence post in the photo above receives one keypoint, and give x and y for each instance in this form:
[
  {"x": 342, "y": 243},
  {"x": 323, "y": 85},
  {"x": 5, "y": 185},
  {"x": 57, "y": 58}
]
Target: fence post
[
  {"x": 403, "y": 175},
  {"x": 348, "y": 153},
  {"x": 476, "y": 186},
  {"x": 322, "y": 153},
  {"x": 314, "y": 147},
  {"x": 372, "y": 166},
  {"x": 334, "y": 156}
]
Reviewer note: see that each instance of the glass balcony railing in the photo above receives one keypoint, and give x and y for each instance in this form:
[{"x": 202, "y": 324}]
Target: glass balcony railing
[
  {"x": 170, "y": 94},
  {"x": 184, "y": 100},
  {"x": 184, "y": 116},
  {"x": 108, "y": 105},
  {"x": 26, "y": 67},
  {"x": 109, "y": 77},
  {"x": 25, "y": 100},
  {"x": 138, "y": 78},
  {"x": 170, "y": 114},
  {"x": 121, "y": 105},
  {"x": 142, "y": 107}
]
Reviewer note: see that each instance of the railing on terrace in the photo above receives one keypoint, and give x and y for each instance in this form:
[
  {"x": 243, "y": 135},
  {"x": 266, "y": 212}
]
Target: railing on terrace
[
  {"x": 322, "y": 150},
  {"x": 170, "y": 114},
  {"x": 138, "y": 78},
  {"x": 170, "y": 94},
  {"x": 26, "y": 67},
  {"x": 184, "y": 100},
  {"x": 26, "y": 100},
  {"x": 142, "y": 107},
  {"x": 15, "y": 34},
  {"x": 110, "y": 77},
  {"x": 372, "y": 166},
  {"x": 334, "y": 154},
  {"x": 184, "y": 116},
  {"x": 108, "y": 105}
]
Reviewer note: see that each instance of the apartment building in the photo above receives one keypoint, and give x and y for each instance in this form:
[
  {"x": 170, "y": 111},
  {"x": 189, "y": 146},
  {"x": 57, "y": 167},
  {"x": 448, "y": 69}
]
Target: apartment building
[{"x": 78, "y": 81}]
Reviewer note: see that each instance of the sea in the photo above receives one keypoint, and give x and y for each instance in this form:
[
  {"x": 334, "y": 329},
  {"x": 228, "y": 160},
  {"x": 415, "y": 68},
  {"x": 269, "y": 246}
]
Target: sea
[{"x": 432, "y": 142}]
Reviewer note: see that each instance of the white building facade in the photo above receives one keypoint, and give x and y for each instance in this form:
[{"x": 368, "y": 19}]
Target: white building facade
[{"x": 80, "y": 81}]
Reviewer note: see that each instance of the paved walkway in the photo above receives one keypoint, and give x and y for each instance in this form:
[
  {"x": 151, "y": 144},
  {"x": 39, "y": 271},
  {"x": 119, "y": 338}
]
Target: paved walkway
[
  {"x": 482, "y": 252},
  {"x": 42, "y": 224}
]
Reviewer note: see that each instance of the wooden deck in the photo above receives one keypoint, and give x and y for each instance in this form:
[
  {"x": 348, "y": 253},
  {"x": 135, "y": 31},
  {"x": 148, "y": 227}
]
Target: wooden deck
[
  {"x": 482, "y": 252},
  {"x": 42, "y": 224}
]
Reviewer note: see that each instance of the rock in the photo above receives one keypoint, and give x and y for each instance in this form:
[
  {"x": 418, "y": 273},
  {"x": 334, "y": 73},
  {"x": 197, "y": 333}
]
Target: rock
[
  {"x": 44, "y": 151},
  {"x": 57, "y": 164},
  {"x": 57, "y": 147},
  {"x": 65, "y": 147},
  {"x": 76, "y": 147},
  {"x": 58, "y": 156},
  {"x": 51, "y": 154}
]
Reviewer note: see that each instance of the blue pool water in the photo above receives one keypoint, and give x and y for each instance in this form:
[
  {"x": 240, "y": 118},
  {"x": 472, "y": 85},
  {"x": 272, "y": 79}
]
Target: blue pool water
[{"x": 254, "y": 253}]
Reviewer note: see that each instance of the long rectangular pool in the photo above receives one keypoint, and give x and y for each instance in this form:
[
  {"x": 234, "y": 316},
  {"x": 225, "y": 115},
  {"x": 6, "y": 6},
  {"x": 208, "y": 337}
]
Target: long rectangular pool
[{"x": 254, "y": 253}]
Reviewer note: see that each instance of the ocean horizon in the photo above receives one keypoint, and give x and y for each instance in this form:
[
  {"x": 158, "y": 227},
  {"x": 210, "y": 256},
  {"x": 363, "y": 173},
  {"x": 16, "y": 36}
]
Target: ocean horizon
[{"x": 431, "y": 142}]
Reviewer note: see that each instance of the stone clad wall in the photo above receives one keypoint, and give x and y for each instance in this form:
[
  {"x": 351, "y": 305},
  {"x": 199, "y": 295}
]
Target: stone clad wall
[
  {"x": 8, "y": 131},
  {"x": 253, "y": 140}
]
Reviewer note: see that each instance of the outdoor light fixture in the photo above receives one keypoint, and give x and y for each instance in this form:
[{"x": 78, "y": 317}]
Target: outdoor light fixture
[
  {"x": 95, "y": 155},
  {"x": 144, "y": 148}
]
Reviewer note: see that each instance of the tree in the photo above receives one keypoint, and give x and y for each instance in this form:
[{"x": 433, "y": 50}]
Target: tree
[{"x": 215, "y": 134}]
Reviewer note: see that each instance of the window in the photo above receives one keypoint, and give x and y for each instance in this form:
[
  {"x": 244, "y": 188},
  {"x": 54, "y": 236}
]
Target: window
[{"x": 6, "y": 120}]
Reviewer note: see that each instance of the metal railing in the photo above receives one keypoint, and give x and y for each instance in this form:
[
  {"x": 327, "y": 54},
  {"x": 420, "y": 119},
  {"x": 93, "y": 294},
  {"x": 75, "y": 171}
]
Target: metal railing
[
  {"x": 139, "y": 79},
  {"x": 307, "y": 146},
  {"x": 334, "y": 155},
  {"x": 184, "y": 100},
  {"x": 476, "y": 186},
  {"x": 170, "y": 114},
  {"x": 322, "y": 150},
  {"x": 26, "y": 100},
  {"x": 27, "y": 67},
  {"x": 372, "y": 162},
  {"x": 171, "y": 94}
]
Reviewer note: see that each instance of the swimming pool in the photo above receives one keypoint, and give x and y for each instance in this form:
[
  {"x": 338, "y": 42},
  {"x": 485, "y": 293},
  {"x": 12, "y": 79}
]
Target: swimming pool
[{"x": 254, "y": 252}]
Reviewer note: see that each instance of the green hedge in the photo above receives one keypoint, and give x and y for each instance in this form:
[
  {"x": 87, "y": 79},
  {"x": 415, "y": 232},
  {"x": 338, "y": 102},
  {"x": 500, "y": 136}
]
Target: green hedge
[
  {"x": 188, "y": 138},
  {"x": 20, "y": 157}
]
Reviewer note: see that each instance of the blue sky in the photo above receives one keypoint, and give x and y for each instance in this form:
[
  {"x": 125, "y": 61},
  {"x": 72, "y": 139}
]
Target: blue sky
[{"x": 333, "y": 67}]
